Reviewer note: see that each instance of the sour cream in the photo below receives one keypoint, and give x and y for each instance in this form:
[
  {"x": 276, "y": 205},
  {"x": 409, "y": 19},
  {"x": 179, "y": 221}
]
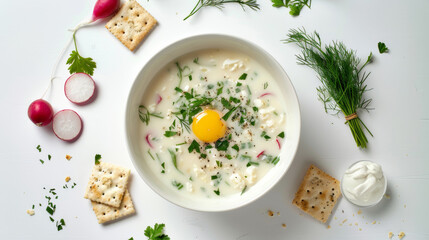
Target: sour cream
[{"x": 364, "y": 183}]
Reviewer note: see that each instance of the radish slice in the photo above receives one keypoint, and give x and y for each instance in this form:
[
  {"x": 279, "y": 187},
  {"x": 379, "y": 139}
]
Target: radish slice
[
  {"x": 67, "y": 125},
  {"x": 265, "y": 94},
  {"x": 261, "y": 153},
  {"x": 148, "y": 140},
  {"x": 158, "y": 99},
  {"x": 278, "y": 143},
  {"x": 79, "y": 88}
]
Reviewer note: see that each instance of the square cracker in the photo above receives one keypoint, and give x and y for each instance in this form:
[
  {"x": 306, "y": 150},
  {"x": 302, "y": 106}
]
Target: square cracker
[
  {"x": 131, "y": 24},
  {"x": 317, "y": 194},
  {"x": 107, "y": 184},
  {"x": 106, "y": 213}
]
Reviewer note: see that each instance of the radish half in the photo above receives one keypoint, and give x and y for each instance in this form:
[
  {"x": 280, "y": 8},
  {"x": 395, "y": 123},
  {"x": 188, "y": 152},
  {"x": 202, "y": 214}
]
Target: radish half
[
  {"x": 79, "y": 88},
  {"x": 67, "y": 125}
]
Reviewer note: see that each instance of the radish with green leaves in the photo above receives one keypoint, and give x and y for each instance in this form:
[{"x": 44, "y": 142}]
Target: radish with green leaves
[
  {"x": 67, "y": 125},
  {"x": 80, "y": 88}
]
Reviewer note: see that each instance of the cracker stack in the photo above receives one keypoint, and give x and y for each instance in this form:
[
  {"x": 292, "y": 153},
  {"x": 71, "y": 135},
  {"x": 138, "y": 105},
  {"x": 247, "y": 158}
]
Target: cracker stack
[
  {"x": 107, "y": 190},
  {"x": 317, "y": 194},
  {"x": 131, "y": 24}
]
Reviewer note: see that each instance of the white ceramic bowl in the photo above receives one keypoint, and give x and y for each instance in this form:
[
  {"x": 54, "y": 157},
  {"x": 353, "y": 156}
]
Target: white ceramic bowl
[{"x": 169, "y": 54}]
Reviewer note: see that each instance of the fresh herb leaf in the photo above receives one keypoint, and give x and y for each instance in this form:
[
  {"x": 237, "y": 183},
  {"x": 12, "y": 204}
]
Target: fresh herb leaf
[
  {"x": 265, "y": 85},
  {"x": 218, "y": 163},
  {"x": 49, "y": 157},
  {"x": 170, "y": 133},
  {"x": 243, "y": 76},
  {"x": 39, "y": 148},
  {"x": 282, "y": 135},
  {"x": 228, "y": 114},
  {"x": 244, "y": 189},
  {"x": 225, "y": 103},
  {"x": 194, "y": 146},
  {"x": 252, "y": 4},
  {"x": 50, "y": 210},
  {"x": 145, "y": 115},
  {"x": 97, "y": 159},
  {"x": 250, "y": 163},
  {"x": 295, "y": 6},
  {"x": 178, "y": 185},
  {"x": 208, "y": 146},
  {"x": 173, "y": 158},
  {"x": 150, "y": 154},
  {"x": 41, "y": 161},
  {"x": 235, "y": 147},
  {"x": 221, "y": 145},
  {"x": 156, "y": 233},
  {"x": 78, "y": 63},
  {"x": 217, "y": 191},
  {"x": 182, "y": 72},
  {"x": 340, "y": 72},
  {"x": 234, "y": 100},
  {"x": 196, "y": 60},
  {"x": 382, "y": 47}
]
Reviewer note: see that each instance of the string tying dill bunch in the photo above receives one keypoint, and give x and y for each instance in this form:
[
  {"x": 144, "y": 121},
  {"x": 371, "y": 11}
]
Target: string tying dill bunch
[{"x": 340, "y": 72}]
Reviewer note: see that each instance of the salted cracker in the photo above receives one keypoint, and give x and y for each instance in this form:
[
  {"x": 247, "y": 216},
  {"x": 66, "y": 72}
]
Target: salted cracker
[
  {"x": 317, "y": 194},
  {"x": 131, "y": 24},
  {"x": 106, "y": 213},
  {"x": 107, "y": 184}
]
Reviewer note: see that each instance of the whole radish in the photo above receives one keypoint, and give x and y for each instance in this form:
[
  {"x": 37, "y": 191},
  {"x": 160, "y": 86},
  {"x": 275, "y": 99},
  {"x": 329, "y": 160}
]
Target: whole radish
[
  {"x": 102, "y": 9},
  {"x": 40, "y": 112}
]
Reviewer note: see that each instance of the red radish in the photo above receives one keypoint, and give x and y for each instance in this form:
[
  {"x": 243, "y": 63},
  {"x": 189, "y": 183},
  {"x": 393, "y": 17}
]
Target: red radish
[
  {"x": 265, "y": 94},
  {"x": 67, "y": 125},
  {"x": 148, "y": 140},
  {"x": 79, "y": 88},
  {"x": 158, "y": 99},
  {"x": 102, "y": 9},
  {"x": 278, "y": 143},
  {"x": 40, "y": 112},
  {"x": 260, "y": 154}
]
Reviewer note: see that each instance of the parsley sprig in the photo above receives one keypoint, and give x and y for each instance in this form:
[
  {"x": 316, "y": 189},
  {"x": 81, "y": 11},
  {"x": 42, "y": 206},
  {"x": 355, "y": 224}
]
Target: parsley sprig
[
  {"x": 295, "y": 6},
  {"x": 252, "y": 4},
  {"x": 78, "y": 63},
  {"x": 382, "y": 47},
  {"x": 156, "y": 233}
]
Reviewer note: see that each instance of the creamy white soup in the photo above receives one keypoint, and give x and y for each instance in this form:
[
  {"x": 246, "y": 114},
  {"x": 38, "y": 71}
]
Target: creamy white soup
[{"x": 212, "y": 123}]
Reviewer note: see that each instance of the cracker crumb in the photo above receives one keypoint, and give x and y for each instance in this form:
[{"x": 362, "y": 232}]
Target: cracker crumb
[
  {"x": 360, "y": 229},
  {"x": 284, "y": 225},
  {"x": 350, "y": 224},
  {"x": 68, "y": 157},
  {"x": 374, "y": 222},
  {"x": 278, "y": 213},
  {"x": 345, "y": 220},
  {"x": 401, "y": 235},
  {"x": 390, "y": 235},
  {"x": 270, "y": 213},
  {"x": 30, "y": 212},
  {"x": 405, "y": 206},
  {"x": 67, "y": 179},
  {"x": 387, "y": 196},
  {"x": 359, "y": 212},
  {"x": 356, "y": 224},
  {"x": 329, "y": 226}
]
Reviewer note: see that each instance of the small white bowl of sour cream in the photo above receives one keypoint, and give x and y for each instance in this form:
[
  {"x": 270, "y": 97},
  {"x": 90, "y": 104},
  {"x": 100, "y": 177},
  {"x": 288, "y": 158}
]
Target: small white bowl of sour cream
[{"x": 364, "y": 184}]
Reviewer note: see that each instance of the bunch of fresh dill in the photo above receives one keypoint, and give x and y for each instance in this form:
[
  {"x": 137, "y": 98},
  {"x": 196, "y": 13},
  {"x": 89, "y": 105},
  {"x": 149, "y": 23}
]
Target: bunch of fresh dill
[{"x": 339, "y": 70}]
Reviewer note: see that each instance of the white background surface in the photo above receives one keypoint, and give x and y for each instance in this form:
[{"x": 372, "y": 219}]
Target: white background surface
[{"x": 34, "y": 32}]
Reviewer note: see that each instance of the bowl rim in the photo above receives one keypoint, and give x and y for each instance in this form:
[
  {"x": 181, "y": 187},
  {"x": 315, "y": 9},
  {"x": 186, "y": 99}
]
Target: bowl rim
[{"x": 258, "y": 49}]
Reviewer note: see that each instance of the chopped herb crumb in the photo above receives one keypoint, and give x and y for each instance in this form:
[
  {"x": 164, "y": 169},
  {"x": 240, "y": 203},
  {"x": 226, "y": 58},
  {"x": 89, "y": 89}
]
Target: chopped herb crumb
[{"x": 97, "y": 159}]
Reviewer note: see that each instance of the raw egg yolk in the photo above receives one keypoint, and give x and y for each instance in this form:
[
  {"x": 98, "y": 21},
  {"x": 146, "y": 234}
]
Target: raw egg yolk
[{"x": 208, "y": 126}]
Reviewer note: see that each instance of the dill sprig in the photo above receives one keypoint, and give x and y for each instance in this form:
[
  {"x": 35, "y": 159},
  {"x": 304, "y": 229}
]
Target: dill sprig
[
  {"x": 144, "y": 114},
  {"x": 339, "y": 70},
  {"x": 252, "y": 4}
]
